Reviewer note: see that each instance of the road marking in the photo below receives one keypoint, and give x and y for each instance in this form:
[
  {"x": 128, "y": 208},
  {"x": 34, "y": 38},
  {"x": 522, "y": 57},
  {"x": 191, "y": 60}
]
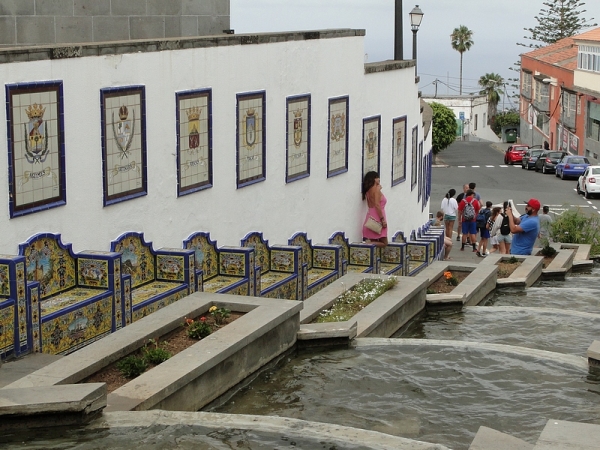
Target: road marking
[
  {"x": 492, "y": 166},
  {"x": 477, "y": 167}
]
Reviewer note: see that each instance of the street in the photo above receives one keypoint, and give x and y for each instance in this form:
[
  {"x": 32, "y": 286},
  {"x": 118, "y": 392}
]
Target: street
[{"x": 482, "y": 163}]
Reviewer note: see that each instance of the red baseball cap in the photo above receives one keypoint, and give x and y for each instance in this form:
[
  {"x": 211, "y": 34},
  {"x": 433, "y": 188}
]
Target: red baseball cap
[{"x": 534, "y": 203}]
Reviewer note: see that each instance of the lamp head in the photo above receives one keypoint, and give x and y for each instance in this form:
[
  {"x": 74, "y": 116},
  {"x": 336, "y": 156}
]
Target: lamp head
[{"x": 416, "y": 15}]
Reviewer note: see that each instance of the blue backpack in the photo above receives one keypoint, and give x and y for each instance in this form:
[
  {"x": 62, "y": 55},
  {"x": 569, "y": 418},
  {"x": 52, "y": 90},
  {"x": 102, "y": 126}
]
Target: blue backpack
[{"x": 482, "y": 217}]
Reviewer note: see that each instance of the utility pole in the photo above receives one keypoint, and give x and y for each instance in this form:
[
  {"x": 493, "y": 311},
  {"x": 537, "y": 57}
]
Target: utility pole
[{"x": 398, "y": 41}]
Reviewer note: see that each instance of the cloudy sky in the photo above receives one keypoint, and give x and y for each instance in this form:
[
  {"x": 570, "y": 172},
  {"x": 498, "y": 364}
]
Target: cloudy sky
[{"x": 497, "y": 26}]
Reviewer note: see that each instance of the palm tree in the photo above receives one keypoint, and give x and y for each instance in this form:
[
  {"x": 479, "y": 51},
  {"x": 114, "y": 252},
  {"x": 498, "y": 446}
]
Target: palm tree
[
  {"x": 462, "y": 40},
  {"x": 491, "y": 84}
]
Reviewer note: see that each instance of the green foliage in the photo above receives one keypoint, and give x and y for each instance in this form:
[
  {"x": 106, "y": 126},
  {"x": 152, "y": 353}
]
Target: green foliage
[
  {"x": 512, "y": 260},
  {"x": 220, "y": 314},
  {"x": 132, "y": 366},
  {"x": 154, "y": 353},
  {"x": 505, "y": 118},
  {"x": 355, "y": 299},
  {"x": 575, "y": 227},
  {"x": 198, "y": 329},
  {"x": 444, "y": 127},
  {"x": 491, "y": 84},
  {"x": 461, "y": 40},
  {"x": 560, "y": 20},
  {"x": 547, "y": 249}
]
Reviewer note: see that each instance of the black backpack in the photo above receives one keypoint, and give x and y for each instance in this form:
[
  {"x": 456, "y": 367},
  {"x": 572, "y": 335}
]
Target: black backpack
[
  {"x": 482, "y": 217},
  {"x": 505, "y": 227}
]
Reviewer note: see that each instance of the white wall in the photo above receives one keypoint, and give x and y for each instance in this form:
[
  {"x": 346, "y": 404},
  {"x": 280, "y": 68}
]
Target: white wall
[
  {"x": 470, "y": 106},
  {"x": 324, "y": 68}
]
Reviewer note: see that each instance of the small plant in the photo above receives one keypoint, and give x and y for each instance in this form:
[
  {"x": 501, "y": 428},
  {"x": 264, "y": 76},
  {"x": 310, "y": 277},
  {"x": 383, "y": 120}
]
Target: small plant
[
  {"x": 431, "y": 291},
  {"x": 219, "y": 314},
  {"x": 547, "y": 249},
  {"x": 198, "y": 329},
  {"x": 156, "y": 354},
  {"x": 450, "y": 278},
  {"x": 132, "y": 366},
  {"x": 512, "y": 260}
]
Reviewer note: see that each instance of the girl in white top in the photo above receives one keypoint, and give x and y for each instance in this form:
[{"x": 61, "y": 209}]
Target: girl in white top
[{"x": 450, "y": 208}]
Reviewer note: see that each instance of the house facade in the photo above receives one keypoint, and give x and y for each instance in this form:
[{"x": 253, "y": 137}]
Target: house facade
[{"x": 559, "y": 90}]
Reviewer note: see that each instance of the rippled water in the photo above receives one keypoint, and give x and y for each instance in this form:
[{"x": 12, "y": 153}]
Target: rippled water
[
  {"x": 552, "y": 330},
  {"x": 440, "y": 395},
  {"x": 579, "y": 292}
]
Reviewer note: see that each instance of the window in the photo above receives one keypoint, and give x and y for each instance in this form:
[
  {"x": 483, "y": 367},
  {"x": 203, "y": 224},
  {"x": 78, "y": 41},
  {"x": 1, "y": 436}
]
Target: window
[
  {"x": 588, "y": 58},
  {"x": 475, "y": 127},
  {"x": 593, "y": 129},
  {"x": 526, "y": 84},
  {"x": 484, "y": 121}
]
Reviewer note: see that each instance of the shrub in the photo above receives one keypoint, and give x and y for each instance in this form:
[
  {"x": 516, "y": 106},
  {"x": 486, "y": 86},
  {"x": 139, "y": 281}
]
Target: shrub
[
  {"x": 156, "y": 354},
  {"x": 198, "y": 329},
  {"x": 547, "y": 249},
  {"x": 575, "y": 227},
  {"x": 132, "y": 366}
]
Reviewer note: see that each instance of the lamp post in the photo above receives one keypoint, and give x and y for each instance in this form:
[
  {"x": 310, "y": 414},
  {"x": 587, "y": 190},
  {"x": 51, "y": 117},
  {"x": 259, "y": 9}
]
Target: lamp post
[{"x": 416, "y": 15}]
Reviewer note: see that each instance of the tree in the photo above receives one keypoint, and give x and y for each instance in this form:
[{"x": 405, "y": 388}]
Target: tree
[
  {"x": 505, "y": 118},
  {"x": 444, "y": 127},
  {"x": 562, "y": 19},
  {"x": 491, "y": 84},
  {"x": 461, "y": 40}
]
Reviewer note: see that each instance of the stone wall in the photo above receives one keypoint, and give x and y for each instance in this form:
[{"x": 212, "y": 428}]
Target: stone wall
[{"x": 35, "y": 22}]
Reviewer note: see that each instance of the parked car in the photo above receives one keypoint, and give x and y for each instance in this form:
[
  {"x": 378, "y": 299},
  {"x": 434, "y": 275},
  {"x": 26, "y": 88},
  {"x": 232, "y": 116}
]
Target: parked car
[
  {"x": 589, "y": 183},
  {"x": 530, "y": 157},
  {"x": 547, "y": 161},
  {"x": 514, "y": 153},
  {"x": 571, "y": 166}
]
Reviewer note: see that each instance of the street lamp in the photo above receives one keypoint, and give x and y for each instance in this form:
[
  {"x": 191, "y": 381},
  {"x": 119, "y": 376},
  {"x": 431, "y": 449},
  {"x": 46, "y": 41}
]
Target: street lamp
[{"x": 416, "y": 15}]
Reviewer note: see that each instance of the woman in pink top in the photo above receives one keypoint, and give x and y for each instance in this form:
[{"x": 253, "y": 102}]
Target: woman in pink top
[{"x": 371, "y": 192}]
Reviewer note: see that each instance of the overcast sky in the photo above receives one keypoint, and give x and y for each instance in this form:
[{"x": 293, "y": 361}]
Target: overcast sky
[{"x": 497, "y": 26}]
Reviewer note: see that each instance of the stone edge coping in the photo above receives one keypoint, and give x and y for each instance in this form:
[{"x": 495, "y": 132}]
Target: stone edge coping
[
  {"x": 260, "y": 314},
  {"x": 62, "y": 51},
  {"x": 328, "y": 330},
  {"x": 593, "y": 352},
  {"x": 200, "y": 422},
  {"x": 557, "y": 358},
  {"x": 525, "y": 275},
  {"x": 560, "y": 434},
  {"x": 490, "y": 439},
  {"x": 88, "y": 397}
]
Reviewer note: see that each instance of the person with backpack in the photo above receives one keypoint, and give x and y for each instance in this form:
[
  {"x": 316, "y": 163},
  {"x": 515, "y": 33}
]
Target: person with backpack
[
  {"x": 482, "y": 219},
  {"x": 469, "y": 207},
  {"x": 503, "y": 235}
]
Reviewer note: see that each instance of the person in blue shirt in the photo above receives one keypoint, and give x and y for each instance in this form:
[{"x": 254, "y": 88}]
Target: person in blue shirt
[{"x": 525, "y": 228}]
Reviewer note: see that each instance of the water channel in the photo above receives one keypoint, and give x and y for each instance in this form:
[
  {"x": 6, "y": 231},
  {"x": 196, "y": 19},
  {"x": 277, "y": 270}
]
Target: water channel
[{"x": 429, "y": 384}]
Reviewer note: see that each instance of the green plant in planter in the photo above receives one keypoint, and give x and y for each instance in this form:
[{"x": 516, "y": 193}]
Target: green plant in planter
[
  {"x": 156, "y": 354},
  {"x": 450, "y": 278},
  {"x": 132, "y": 366},
  {"x": 512, "y": 260},
  {"x": 547, "y": 249},
  {"x": 198, "y": 329},
  {"x": 355, "y": 299},
  {"x": 219, "y": 314}
]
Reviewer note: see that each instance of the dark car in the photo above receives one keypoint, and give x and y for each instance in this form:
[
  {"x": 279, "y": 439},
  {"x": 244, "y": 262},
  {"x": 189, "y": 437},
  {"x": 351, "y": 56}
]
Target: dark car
[
  {"x": 530, "y": 157},
  {"x": 547, "y": 161},
  {"x": 514, "y": 153},
  {"x": 571, "y": 166}
]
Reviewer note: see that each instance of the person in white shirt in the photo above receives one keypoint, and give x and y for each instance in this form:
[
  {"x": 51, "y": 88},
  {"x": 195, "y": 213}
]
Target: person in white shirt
[{"x": 450, "y": 209}]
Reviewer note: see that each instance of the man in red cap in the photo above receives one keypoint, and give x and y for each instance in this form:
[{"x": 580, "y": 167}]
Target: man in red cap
[{"x": 525, "y": 228}]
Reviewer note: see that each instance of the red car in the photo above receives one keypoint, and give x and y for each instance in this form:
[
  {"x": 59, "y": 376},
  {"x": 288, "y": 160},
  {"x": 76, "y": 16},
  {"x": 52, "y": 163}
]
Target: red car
[{"x": 514, "y": 153}]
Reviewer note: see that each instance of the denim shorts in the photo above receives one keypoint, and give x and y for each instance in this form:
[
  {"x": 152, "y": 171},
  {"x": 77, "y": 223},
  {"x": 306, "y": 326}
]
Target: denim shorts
[
  {"x": 449, "y": 218},
  {"x": 504, "y": 238}
]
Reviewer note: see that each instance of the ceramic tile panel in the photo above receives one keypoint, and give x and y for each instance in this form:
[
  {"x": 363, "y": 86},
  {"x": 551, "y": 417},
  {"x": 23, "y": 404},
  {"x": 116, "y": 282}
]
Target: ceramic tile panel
[
  {"x": 92, "y": 272},
  {"x": 170, "y": 267},
  {"x": 4, "y": 280},
  {"x": 66, "y": 300},
  {"x": 36, "y": 147},
  {"x": 286, "y": 291},
  {"x": 371, "y": 144},
  {"x": 398, "y": 150},
  {"x": 339, "y": 238},
  {"x": 124, "y": 159},
  {"x": 67, "y": 332},
  {"x": 414, "y": 158},
  {"x": 417, "y": 252},
  {"x": 149, "y": 308},
  {"x": 50, "y": 262},
  {"x": 194, "y": 141},
  {"x": 298, "y": 137},
  {"x": 7, "y": 327},
  {"x": 251, "y": 138},
  {"x": 219, "y": 283},
  {"x": 152, "y": 290},
  {"x": 324, "y": 259},
  {"x": 137, "y": 258},
  {"x": 360, "y": 256},
  {"x": 283, "y": 261},
  {"x": 272, "y": 278},
  {"x": 337, "y": 143},
  {"x": 232, "y": 263},
  {"x": 301, "y": 239},
  {"x": 256, "y": 241},
  {"x": 205, "y": 254}
]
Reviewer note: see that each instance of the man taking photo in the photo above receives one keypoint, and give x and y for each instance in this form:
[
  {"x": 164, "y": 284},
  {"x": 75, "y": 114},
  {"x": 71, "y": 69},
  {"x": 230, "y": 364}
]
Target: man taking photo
[{"x": 525, "y": 228}]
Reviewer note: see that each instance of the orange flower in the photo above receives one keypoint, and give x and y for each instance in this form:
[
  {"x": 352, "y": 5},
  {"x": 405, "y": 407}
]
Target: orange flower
[
  {"x": 202, "y": 319},
  {"x": 189, "y": 321},
  {"x": 448, "y": 275}
]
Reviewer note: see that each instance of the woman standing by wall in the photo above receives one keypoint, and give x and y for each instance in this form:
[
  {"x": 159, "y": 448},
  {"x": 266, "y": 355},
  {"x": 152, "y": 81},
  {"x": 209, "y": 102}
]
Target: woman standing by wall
[
  {"x": 450, "y": 208},
  {"x": 371, "y": 192}
]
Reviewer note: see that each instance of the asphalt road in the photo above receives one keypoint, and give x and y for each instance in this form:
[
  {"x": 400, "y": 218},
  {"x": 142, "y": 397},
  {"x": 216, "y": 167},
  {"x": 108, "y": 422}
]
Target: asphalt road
[{"x": 483, "y": 163}]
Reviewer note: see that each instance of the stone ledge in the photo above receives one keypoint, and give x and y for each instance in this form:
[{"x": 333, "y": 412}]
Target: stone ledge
[
  {"x": 385, "y": 66},
  {"x": 490, "y": 439},
  {"x": 560, "y": 266},
  {"x": 328, "y": 330},
  {"x": 593, "y": 353},
  {"x": 525, "y": 275},
  {"x": 46, "y": 406}
]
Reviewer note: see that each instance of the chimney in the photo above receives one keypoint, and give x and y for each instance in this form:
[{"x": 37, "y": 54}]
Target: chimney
[{"x": 398, "y": 41}]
